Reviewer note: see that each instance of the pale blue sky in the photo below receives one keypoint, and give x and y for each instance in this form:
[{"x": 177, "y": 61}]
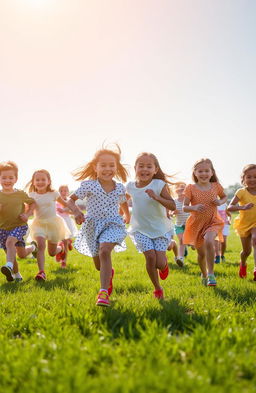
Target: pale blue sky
[{"x": 176, "y": 78}]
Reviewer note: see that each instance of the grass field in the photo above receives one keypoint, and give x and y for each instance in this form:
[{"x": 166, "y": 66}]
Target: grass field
[{"x": 54, "y": 339}]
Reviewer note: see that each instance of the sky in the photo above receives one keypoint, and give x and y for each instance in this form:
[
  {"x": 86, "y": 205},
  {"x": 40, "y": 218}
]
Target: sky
[{"x": 175, "y": 78}]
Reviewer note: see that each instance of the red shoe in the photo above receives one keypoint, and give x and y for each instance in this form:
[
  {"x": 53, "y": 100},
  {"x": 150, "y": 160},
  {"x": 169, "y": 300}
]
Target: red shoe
[
  {"x": 70, "y": 245},
  {"x": 163, "y": 274},
  {"x": 110, "y": 288},
  {"x": 242, "y": 271},
  {"x": 40, "y": 276},
  {"x": 61, "y": 255},
  {"x": 254, "y": 275},
  {"x": 159, "y": 293},
  {"x": 103, "y": 299},
  {"x": 63, "y": 264}
]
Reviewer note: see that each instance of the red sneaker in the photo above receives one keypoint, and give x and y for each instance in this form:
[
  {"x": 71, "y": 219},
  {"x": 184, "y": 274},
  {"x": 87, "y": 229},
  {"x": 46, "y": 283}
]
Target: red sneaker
[
  {"x": 242, "y": 271},
  {"x": 163, "y": 274},
  {"x": 61, "y": 255},
  {"x": 40, "y": 276},
  {"x": 103, "y": 299},
  {"x": 110, "y": 288},
  {"x": 70, "y": 245},
  {"x": 63, "y": 264},
  {"x": 159, "y": 293}
]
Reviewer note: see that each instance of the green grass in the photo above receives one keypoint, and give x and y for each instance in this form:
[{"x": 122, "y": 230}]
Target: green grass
[{"x": 54, "y": 339}]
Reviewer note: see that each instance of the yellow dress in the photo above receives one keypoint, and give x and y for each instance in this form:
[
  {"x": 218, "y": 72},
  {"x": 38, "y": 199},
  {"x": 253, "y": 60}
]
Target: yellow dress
[{"x": 246, "y": 220}]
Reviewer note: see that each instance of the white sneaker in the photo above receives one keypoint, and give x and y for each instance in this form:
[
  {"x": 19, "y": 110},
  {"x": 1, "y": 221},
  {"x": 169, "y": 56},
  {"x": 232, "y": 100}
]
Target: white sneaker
[
  {"x": 7, "y": 271},
  {"x": 179, "y": 261}
]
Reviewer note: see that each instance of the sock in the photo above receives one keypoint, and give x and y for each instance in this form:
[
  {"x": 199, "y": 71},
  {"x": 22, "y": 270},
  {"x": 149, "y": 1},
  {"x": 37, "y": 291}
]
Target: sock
[
  {"x": 17, "y": 275},
  {"x": 33, "y": 247},
  {"x": 9, "y": 264},
  {"x": 102, "y": 289}
]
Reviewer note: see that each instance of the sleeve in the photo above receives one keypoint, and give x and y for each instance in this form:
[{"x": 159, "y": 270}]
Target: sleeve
[
  {"x": 83, "y": 190},
  {"x": 128, "y": 188},
  {"x": 220, "y": 191},
  {"x": 239, "y": 194},
  {"x": 160, "y": 186},
  {"x": 188, "y": 192},
  {"x": 27, "y": 199}
]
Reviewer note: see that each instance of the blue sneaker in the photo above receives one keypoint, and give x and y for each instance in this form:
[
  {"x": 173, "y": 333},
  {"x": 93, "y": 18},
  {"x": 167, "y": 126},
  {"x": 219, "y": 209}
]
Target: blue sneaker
[
  {"x": 217, "y": 259},
  {"x": 211, "y": 282}
]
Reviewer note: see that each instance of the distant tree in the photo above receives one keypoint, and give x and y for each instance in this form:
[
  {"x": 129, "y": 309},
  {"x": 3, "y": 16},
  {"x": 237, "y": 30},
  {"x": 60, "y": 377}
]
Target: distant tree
[{"x": 230, "y": 190}]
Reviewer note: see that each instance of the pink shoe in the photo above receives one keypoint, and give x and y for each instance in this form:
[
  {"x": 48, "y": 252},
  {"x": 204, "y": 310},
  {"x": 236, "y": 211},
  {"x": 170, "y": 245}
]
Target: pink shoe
[
  {"x": 63, "y": 264},
  {"x": 70, "y": 245},
  {"x": 110, "y": 288},
  {"x": 163, "y": 274},
  {"x": 242, "y": 271},
  {"x": 254, "y": 275},
  {"x": 61, "y": 255},
  {"x": 159, "y": 293},
  {"x": 103, "y": 299},
  {"x": 40, "y": 276}
]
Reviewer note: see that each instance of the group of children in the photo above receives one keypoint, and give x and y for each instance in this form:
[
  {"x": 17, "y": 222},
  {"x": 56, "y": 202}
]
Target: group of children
[{"x": 198, "y": 222}]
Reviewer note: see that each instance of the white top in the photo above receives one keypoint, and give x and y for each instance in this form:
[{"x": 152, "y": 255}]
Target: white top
[
  {"x": 45, "y": 204},
  {"x": 149, "y": 217},
  {"x": 181, "y": 217}
]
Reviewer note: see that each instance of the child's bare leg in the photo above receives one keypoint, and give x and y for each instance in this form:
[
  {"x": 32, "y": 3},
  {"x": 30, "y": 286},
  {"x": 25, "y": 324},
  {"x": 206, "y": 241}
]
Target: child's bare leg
[
  {"x": 247, "y": 248},
  {"x": 23, "y": 252},
  {"x": 181, "y": 245},
  {"x": 96, "y": 261},
  {"x": 217, "y": 247},
  {"x": 223, "y": 246},
  {"x": 53, "y": 249},
  {"x": 11, "y": 249},
  {"x": 209, "y": 250},
  {"x": 173, "y": 246},
  {"x": 65, "y": 242},
  {"x": 41, "y": 243},
  {"x": 202, "y": 260},
  {"x": 150, "y": 256},
  {"x": 105, "y": 264},
  {"x": 161, "y": 259},
  {"x": 254, "y": 245}
]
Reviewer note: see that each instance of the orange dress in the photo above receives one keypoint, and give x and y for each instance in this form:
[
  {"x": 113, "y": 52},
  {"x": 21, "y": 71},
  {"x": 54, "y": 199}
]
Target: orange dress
[{"x": 199, "y": 223}]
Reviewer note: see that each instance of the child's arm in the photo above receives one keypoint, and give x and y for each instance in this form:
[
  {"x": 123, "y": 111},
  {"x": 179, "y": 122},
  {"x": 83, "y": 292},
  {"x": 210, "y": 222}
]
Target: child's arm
[
  {"x": 234, "y": 206},
  {"x": 219, "y": 202},
  {"x": 124, "y": 211},
  {"x": 195, "y": 208},
  {"x": 62, "y": 201},
  {"x": 164, "y": 198},
  {"x": 78, "y": 214},
  {"x": 29, "y": 209}
]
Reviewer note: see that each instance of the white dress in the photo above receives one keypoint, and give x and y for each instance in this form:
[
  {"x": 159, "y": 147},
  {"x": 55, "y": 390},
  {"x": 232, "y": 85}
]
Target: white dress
[
  {"x": 103, "y": 222},
  {"x": 68, "y": 220}
]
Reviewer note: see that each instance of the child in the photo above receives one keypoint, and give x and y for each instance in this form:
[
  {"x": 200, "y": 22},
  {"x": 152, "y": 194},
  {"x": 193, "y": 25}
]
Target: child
[
  {"x": 150, "y": 227},
  {"x": 220, "y": 247},
  {"x": 204, "y": 223},
  {"x": 13, "y": 218},
  {"x": 64, "y": 212},
  {"x": 103, "y": 228},
  {"x": 181, "y": 218},
  {"x": 244, "y": 201},
  {"x": 46, "y": 225}
]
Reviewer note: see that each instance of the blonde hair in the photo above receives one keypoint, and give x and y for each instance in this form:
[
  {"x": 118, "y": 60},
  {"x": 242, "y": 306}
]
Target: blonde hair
[
  {"x": 88, "y": 170},
  {"x": 159, "y": 174},
  {"x": 63, "y": 186},
  {"x": 214, "y": 177},
  {"x": 9, "y": 166},
  {"x": 30, "y": 186},
  {"x": 246, "y": 169}
]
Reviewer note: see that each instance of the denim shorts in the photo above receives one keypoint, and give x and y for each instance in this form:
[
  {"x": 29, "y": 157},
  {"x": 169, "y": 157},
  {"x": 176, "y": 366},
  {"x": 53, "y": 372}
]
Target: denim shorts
[{"x": 18, "y": 232}]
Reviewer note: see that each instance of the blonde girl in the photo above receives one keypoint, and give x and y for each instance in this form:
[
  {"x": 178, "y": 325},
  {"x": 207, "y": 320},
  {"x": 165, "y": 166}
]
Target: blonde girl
[
  {"x": 204, "y": 223},
  {"x": 244, "y": 201},
  {"x": 103, "y": 227},
  {"x": 150, "y": 228},
  {"x": 46, "y": 225}
]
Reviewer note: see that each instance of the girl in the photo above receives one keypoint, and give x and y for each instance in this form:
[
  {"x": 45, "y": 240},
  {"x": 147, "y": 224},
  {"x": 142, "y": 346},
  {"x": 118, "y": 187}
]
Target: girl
[
  {"x": 150, "y": 227},
  {"x": 204, "y": 223},
  {"x": 181, "y": 218},
  {"x": 46, "y": 226},
  {"x": 220, "y": 248},
  {"x": 64, "y": 212},
  {"x": 244, "y": 201},
  {"x": 15, "y": 208},
  {"x": 103, "y": 228}
]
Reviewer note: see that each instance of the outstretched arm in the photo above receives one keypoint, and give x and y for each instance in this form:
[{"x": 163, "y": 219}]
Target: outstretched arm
[
  {"x": 78, "y": 214},
  {"x": 164, "y": 198},
  {"x": 234, "y": 206}
]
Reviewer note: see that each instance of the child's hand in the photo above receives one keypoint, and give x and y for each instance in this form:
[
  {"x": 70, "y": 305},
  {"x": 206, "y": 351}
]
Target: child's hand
[
  {"x": 126, "y": 219},
  {"x": 199, "y": 207},
  {"x": 24, "y": 217},
  {"x": 60, "y": 210},
  {"x": 216, "y": 202},
  {"x": 79, "y": 217},
  {"x": 248, "y": 206},
  {"x": 151, "y": 194}
]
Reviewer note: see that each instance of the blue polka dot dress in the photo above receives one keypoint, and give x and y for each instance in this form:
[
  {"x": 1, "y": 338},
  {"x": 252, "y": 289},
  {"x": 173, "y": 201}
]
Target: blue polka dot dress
[{"x": 103, "y": 222}]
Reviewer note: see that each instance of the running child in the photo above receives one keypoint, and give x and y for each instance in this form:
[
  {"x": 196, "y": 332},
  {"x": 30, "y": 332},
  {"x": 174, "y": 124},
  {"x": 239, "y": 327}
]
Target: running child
[
  {"x": 103, "y": 227},
  {"x": 244, "y": 201},
  {"x": 15, "y": 208},
  {"x": 150, "y": 228},
  {"x": 46, "y": 225},
  {"x": 64, "y": 212},
  {"x": 204, "y": 223},
  {"x": 220, "y": 247}
]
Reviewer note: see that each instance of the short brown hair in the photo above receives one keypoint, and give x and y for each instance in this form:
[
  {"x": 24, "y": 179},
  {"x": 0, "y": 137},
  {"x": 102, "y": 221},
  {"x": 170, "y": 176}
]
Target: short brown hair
[
  {"x": 246, "y": 169},
  {"x": 9, "y": 166}
]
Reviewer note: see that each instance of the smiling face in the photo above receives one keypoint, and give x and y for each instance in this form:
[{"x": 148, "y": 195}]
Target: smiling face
[
  {"x": 179, "y": 189},
  {"x": 249, "y": 179},
  {"x": 145, "y": 169},
  {"x": 64, "y": 192},
  {"x": 106, "y": 167},
  {"x": 203, "y": 172},
  {"x": 8, "y": 178},
  {"x": 41, "y": 182}
]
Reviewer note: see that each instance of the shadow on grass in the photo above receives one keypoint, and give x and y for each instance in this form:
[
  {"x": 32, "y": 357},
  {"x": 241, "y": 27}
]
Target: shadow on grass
[
  {"x": 58, "y": 282},
  {"x": 248, "y": 297},
  {"x": 68, "y": 269},
  {"x": 135, "y": 288},
  {"x": 12, "y": 287}
]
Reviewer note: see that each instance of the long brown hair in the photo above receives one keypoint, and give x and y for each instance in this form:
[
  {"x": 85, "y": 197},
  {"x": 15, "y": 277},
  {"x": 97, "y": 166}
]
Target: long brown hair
[
  {"x": 88, "y": 170},
  {"x": 9, "y": 166},
  {"x": 214, "y": 177},
  {"x": 246, "y": 169},
  {"x": 30, "y": 186},
  {"x": 159, "y": 174}
]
